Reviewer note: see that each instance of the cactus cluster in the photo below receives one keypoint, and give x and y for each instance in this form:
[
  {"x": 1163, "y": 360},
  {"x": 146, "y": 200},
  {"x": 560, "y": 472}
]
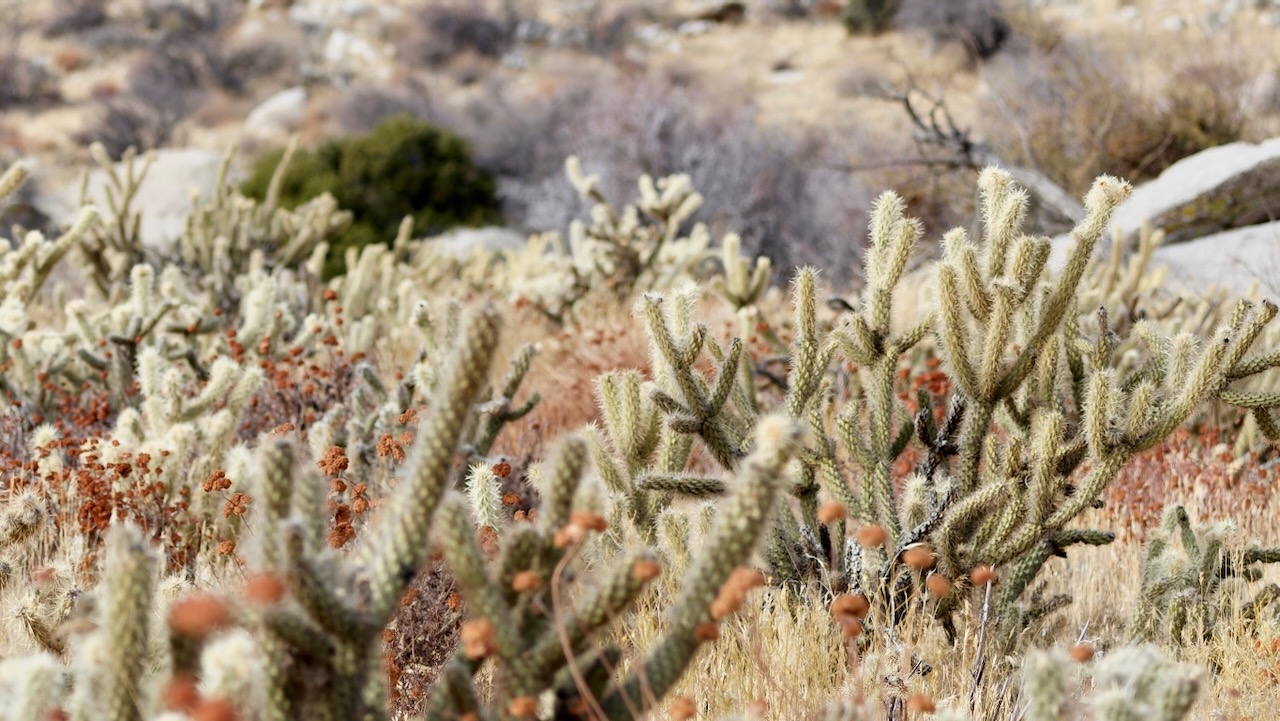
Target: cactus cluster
[
  {"x": 1038, "y": 413},
  {"x": 229, "y": 470},
  {"x": 1181, "y": 596}
]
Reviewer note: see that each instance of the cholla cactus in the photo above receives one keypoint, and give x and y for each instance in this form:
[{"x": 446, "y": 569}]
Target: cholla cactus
[
  {"x": 638, "y": 248},
  {"x": 1014, "y": 343},
  {"x": 1182, "y": 593},
  {"x": 226, "y": 236},
  {"x": 1132, "y": 682}
]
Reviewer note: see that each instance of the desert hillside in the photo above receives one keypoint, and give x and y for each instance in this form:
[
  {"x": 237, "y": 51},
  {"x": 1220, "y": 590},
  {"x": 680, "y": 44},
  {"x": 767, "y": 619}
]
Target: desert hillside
[{"x": 608, "y": 360}]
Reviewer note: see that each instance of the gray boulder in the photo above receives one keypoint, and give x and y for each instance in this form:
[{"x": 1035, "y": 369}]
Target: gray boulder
[{"x": 1226, "y": 187}]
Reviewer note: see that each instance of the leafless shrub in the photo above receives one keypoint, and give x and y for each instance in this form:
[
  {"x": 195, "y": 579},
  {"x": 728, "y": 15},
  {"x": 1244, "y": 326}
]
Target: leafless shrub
[
  {"x": 19, "y": 211},
  {"x": 260, "y": 59},
  {"x": 360, "y": 110},
  {"x": 440, "y": 31},
  {"x": 189, "y": 17},
  {"x": 1069, "y": 114},
  {"x": 774, "y": 188},
  {"x": 980, "y": 26},
  {"x": 75, "y": 16},
  {"x": 127, "y": 121},
  {"x": 176, "y": 70},
  {"x": 790, "y": 9},
  {"x": 25, "y": 82},
  {"x": 608, "y": 28}
]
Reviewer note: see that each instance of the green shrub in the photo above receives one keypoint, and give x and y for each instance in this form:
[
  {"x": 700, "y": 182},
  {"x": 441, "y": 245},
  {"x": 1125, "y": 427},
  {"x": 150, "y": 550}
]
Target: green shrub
[
  {"x": 404, "y": 167},
  {"x": 870, "y": 17}
]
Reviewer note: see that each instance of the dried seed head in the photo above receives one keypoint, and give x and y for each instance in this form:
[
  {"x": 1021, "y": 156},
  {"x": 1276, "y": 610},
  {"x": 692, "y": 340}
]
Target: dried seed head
[
  {"x": 526, "y": 581},
  {"x": 570, "y": 535},
  {"x": 218, "y": 709},
  {"x": 920, "y": 703},
  {"x": 832, "y": 511},
  {"x": 264, "y": 589},
  {"x": 523, "y": 706},
  {"x": 1081, "y": 653},
  {"x": 982, "y": 575},
  {"x": 198, "y": 616},
  {"x": 851, "y": 626},
  {"x": 919, "y": 557},
  {"x": 939, "y": 585},
  {"x": 588, "y": 521},
  {"x": 872, "y": 536},
  {"x": 708, "y": 631},
  {"x": 725, "y": 604},
  {"x": 850, "y": 604},
  {"x": 181, "y": 694},
  {"x": 682, "y": 709},
  {"x": 745, "y": 579},
  {"x": 645, "y": 570},
  {"x": 477, "y": 639}
]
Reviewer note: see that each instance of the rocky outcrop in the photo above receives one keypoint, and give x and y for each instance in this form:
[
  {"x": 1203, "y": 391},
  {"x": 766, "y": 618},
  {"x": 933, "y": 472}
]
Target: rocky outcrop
[
  {"x": 1226, "y": 187},
  {"x": 1234, "y": 260}
]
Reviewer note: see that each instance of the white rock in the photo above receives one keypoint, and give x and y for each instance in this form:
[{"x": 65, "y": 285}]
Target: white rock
[
  {"x": 1234, "y": 260},
  {"x": 465, "y": 241},
  {"x": 693, "y": 28},
  {"x": 1224, "y": 187},
  {"x": 278, "y": 115},
  {"x": 164, "y": 198}
]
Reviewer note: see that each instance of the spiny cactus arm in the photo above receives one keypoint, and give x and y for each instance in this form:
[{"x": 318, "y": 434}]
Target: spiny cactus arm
[
  {"x": 300, "y": 634},
  {"x": 401, "y": 537},
  {"x": 34, "y": 682},
  {"x": 726, "y": 376},
  {"x": 314, "y": 591},
  {"x": 605, "y": 604},
  {"x": 13, "y": 178},
  {"x": 1202, "y": 383},
  {"x": 272, "y": 199},
  {"x": 1265, "y": 598},
  {"x": 1100, "y": 203},
  {"x": 129, "y": 588},
  {"x": 562, "y": 483},
  {"x": 1175, "y": 692},
  {"x": 1255, "y": 365},
  {"x": 741, "y": 285},
  {"x": 1247, "y": 324},
  {"x": 954, "y": 332},
  {"x": 962, "y": 521},
  {"x": 87, "y": 218},
  {"x": 739, "y": 525},
  {"x": 829, "y": 469},
  {"x": 454, "y": 693},
  {"x": 695, "y": 412},
  {"x": 630, "y": 418},
  {"x": 682, "y": 484},
  {"x": 466, "y": 561},
  {"x": 595, "y": 668},
  {"x": 806, "y": 354},
  {"x": 612, "y": 475},
  {"x": 1261, "y": 555},
  {"x": 893, "y": 238},
  {"x": 499, "y": 411}
]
